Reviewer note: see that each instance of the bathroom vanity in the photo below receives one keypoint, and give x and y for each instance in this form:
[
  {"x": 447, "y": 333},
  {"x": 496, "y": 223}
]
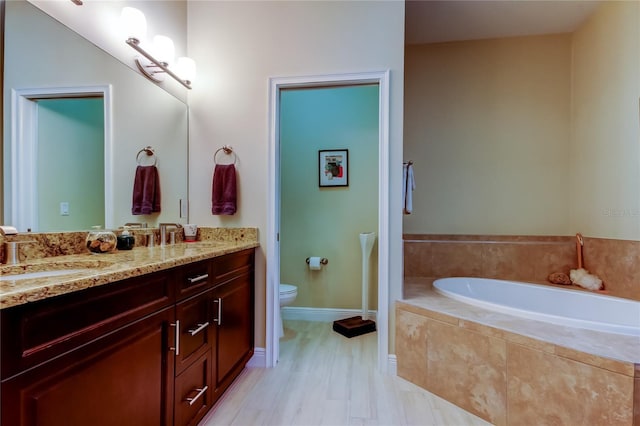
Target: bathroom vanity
[{"x": 158, "y": 347}]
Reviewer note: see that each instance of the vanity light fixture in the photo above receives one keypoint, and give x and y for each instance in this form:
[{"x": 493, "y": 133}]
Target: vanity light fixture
[{"x": 156, "y": 60}]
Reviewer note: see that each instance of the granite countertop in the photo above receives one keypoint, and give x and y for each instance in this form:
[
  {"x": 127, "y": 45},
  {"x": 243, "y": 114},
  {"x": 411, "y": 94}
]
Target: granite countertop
[{"x": 93, "y": 270}]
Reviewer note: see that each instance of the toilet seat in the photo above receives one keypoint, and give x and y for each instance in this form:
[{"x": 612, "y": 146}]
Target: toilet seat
[{"x": 286, "y": 289}]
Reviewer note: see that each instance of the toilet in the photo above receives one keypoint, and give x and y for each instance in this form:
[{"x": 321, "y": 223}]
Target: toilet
[{"x": 288, "y": 294}]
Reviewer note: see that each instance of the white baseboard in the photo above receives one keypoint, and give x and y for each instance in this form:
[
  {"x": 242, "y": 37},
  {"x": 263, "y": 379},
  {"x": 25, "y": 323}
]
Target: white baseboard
[
  {"x": 259, "y": 358},
  {"x": 392, "y": 365},
  {"x": 321, "y": 314}
]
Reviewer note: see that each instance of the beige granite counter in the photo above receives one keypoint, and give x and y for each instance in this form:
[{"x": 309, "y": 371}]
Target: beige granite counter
[{"x": 99, "y": 269}]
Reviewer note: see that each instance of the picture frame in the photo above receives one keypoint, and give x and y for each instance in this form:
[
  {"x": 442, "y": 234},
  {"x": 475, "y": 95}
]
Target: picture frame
[{"x": 333, "y": 168}]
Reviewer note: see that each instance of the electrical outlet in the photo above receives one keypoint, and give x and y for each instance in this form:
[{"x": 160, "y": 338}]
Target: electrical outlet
[{"x": 64, "y": 208}]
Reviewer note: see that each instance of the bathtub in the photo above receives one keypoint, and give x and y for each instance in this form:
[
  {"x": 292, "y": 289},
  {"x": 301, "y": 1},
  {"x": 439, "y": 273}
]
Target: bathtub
[{"x": 546, "y": 303}]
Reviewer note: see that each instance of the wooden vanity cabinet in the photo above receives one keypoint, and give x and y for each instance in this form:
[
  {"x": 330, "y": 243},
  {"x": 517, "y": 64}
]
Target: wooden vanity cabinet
[
  {"x": 158, "y": 349},
  {"x": 100, "y": 370},
  {"x": 233, "y": 315}
]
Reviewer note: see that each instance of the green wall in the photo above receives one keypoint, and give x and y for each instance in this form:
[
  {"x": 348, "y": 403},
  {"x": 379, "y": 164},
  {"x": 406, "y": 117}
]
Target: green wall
[
  {"x": 326, "y": 221},
  {"x": 70, "y": 163}
]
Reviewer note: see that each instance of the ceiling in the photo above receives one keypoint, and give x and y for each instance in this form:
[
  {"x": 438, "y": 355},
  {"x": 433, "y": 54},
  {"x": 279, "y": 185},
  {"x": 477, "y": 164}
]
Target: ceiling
[{"x": 450, "y": 20}]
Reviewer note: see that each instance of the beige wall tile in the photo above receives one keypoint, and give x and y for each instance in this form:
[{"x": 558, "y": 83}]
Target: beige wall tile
[
  {"x": 544, "y": 388},
  {"x": 525, "y": 258},
  {"x": 417, "y": 259},
  {"x": 411, "y": 347},
  {"x": 456, "y": 259},
  {"x": 467, "y": 369},
  {"x": 616, "y": 263}
]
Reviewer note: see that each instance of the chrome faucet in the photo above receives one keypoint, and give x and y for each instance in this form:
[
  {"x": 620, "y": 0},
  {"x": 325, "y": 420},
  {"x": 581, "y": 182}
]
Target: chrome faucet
[
  {"x": 163, "y": 231},
  {"x": 11, "y": 255}
]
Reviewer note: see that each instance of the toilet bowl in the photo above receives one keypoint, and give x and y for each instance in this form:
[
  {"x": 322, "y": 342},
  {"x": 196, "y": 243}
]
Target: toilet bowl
[{"x": 288, "y": 294}]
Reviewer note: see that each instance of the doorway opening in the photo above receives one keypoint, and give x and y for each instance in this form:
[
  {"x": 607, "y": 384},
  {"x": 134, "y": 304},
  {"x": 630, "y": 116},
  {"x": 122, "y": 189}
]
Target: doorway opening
[
  {"x": 277, "y": 85},
  {"x": 40, "y": 119}
]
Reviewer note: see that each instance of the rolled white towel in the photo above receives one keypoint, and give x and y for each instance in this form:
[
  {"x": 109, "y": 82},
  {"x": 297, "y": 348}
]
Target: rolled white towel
[{"x": 583, "y": 278}]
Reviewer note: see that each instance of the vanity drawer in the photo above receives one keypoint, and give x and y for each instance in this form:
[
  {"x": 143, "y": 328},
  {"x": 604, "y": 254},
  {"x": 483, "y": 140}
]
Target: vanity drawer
[
  {"x": 194, "y": 327},
  {"x": 231, "y": 265},
  {"x": 193, "y": 278},
  {"x": 42, "y": 330},
  {"x": 193, "y": 392}
]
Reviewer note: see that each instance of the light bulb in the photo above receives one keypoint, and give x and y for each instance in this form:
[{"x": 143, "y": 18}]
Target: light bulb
[
  {"x": 134, "y": 24},
  {"x": 163, "y": 49},
  {"x": 185, "y": 68}
]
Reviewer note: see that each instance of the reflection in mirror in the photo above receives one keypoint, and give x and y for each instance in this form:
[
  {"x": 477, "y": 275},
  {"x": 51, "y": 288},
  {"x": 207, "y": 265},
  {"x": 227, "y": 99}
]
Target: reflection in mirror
[
  {"x": 138, "y": 114},
  {"x": 67, "y": 126}
]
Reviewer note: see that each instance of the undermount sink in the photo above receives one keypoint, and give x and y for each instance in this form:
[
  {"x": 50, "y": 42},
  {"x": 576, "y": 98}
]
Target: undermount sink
[
  {"x": 39, "y": 274},
  {"x": 50, "y": 269}
]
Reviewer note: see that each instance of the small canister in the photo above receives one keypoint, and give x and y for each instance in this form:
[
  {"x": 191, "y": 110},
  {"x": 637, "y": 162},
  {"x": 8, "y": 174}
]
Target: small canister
[{"x": 126, "y": 241}]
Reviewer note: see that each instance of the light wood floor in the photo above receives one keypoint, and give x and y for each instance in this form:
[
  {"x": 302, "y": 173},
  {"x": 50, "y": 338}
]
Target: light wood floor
[{"x": 324, "y": 378}]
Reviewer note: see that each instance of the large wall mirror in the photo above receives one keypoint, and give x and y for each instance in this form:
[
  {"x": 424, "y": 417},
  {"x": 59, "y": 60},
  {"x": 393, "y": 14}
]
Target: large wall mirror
[{"x": 75, "y": 120}]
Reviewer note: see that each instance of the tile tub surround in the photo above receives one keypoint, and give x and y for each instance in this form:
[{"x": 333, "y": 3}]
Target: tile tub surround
[
  {"x": 511, "y": 370},
  {"x": 523, "y": 258},
  {"x": 100, "y": 269}
]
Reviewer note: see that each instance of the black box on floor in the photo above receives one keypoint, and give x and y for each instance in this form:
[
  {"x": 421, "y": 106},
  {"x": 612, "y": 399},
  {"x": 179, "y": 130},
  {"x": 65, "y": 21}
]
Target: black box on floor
[{"x": 354, "y": 326}]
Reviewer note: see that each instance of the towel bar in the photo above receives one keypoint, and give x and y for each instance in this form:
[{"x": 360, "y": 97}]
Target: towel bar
[
  {"x": 150, "y": 152},
  {"x": 227, "y": 150}
]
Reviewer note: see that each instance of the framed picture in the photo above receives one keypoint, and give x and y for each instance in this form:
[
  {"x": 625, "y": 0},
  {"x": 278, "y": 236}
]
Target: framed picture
[{"x": 333, "y": 167}]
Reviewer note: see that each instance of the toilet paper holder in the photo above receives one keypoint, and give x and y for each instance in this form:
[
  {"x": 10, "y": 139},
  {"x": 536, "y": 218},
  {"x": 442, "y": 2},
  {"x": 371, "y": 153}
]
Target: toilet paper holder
[{"x": 323, "y": 261}]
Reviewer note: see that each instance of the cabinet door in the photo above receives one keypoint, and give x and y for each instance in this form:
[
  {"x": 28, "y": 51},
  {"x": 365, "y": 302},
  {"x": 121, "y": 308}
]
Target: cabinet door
[
  {"x": 233, "y": 315},
  {"x": 194, "y": 319},
  {"x": 124, "y": 378}
]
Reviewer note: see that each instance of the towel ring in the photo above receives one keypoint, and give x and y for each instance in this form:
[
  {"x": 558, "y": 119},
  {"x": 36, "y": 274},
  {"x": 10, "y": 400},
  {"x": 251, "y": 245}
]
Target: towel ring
[
  {"x": 228, "y": 150},
  {"x": 150, "y": 152}
]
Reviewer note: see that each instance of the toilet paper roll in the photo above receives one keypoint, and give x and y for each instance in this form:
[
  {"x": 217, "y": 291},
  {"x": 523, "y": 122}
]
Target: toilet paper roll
[{"x": 314, "y": 263}]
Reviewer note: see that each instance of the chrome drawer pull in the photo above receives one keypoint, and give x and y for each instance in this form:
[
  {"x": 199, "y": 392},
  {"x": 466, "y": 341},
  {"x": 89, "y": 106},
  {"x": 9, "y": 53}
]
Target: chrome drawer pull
[
  {"x": 198, "y": 278},
  {"x": 177, "y": 347},
  {"x": 219, "y": 319},
  {"x": 200, "y": 393},
  {"x": 199, "y": 329}
]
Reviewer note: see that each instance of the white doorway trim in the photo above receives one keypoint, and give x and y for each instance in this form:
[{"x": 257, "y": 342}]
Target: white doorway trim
[
  {"x": 24, "y": 126},
  {"x": 273, "y": 214}
]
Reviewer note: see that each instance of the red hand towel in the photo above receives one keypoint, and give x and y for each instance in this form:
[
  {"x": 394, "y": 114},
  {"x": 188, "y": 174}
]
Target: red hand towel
[
  {"x": 146, "y": 191},
  {"x": 223, "y": 197}
]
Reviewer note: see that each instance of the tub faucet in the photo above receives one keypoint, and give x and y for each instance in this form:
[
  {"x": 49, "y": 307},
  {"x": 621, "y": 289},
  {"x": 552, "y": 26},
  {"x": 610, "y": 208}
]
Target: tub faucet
[{"x": 163, "y": 231}]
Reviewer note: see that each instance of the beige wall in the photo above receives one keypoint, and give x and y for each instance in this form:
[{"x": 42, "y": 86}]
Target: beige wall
[
  {"x": 238, "y": 46},
  {"x": 532, "y": 135},
  {"x": 487, "y": 125},
  {"x": 605, "y": 145}
]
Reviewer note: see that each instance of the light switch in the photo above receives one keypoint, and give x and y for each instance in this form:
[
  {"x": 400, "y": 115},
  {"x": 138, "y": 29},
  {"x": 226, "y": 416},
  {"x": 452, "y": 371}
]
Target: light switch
[{"x": 64, "y": 208}]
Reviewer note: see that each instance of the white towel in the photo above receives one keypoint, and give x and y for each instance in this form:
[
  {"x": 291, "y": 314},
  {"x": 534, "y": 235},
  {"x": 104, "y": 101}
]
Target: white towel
[{"x": 408, "y": 185}]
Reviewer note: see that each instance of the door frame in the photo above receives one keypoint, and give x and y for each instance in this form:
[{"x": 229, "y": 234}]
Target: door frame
[
  {"x": 24, "y": 141},
  {"x": 382, "y": 79}
]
